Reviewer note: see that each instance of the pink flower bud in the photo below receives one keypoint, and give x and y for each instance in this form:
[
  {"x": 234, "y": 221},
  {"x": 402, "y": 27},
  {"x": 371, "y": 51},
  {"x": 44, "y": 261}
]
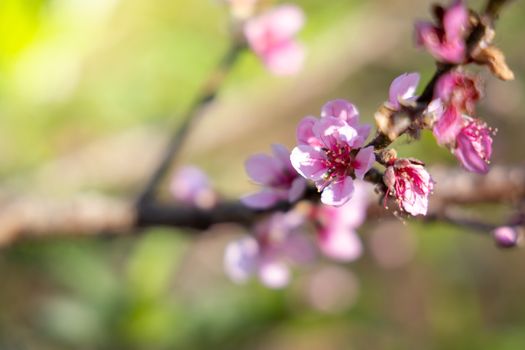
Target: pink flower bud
[
  {"x": 410, "y": 184},
  {"x": 272, "y": 37},
  {"x": 506, "y": 236},
  {"x": 446, "y": 40},
  {"x": 474, "y": 146}
]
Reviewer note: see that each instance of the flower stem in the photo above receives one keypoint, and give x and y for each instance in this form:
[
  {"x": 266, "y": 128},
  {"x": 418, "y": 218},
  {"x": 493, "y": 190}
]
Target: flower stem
[{"x": 206, "y": 96}]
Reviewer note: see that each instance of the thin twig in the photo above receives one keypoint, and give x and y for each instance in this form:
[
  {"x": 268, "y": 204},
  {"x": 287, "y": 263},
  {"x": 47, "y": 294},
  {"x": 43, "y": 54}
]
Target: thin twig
[
  {"x": 476, "y": 225},
  {"x": 206, "y": 96}
]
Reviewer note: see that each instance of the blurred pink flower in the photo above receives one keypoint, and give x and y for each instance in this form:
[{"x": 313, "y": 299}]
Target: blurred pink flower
[
  {"x": 276, "y": 243},
  {"x": 330, "y": 152},
  {"x": 279, "y": 179},
  {"x": 403, "y": 90},
  {"x": 410, "y": 184},
  {"x": 336, "y": 233},
  {"x": 458, "y": 89},
  {"x": 191, "y": 186},
  {"x": 446, "y": 40},
  {"x": 272, "y": 37},
  {"x": 506, "y": 236},
  {"x": 474, "y": 146}
]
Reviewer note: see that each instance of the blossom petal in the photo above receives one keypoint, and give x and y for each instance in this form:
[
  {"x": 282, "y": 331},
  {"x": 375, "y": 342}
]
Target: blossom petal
[
  {"x": 339, "y": 192},
  {"x": 284, "y": 21},
  {"x": 305, "y": 134},
  {"x": 350, "y": 215},
  {"x": 448, "y": 125},
  {"x": 453, "y": 51},
  {"x": 282, "y": 154},
  {"x": 240, "y": 259},
  {"x": 284, "y": 59},
  {"x": 274, "y": 274},
  {"x": 403, "y": 88},
  {"x": 364, "y": 160},
  {"x": 455, "y": 21},
  {"x": 297, "y": 189},
  {"x": 362, "y": 134},
  {"x": 414, "y": 203},
  {"x": 341, "y": 244},
  {"x": 263, "y": 169},
  {"x": 341, "y": 109},
  {"x": 469, "y": 157},
  {"x": 331, "y": 130},
  {"x": 309, "y": 162},
  {"x": 261, "y": 200},
  {"x": 190, "y": 185}
]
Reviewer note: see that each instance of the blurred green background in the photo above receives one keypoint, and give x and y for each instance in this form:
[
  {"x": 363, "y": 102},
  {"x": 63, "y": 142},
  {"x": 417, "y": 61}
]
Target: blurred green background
[{"x": 88, "y": 90}]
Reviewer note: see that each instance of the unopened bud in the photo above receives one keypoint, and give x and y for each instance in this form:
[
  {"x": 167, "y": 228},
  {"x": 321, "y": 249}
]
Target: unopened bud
[{"x": 506, "y": 236}]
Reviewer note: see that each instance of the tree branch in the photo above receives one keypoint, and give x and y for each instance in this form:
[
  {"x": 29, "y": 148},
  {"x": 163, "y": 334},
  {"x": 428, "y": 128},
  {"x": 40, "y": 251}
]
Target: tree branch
[
  {"x": 31, "y": 217},
  {"x": 205, "y": 97}
]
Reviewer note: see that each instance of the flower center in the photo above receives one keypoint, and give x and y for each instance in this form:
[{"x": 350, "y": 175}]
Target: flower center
[{"x": 339, "y": 161}]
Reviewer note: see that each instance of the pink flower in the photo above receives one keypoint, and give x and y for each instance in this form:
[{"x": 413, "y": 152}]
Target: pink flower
[
  {"x": 410, "y": 184},
  {"x": 506, "y": 236},
  {"x": 403, "y": 90},
  {"x": 347, "y": 112},
  {"x": 446, "y": 40},
  {"x": 191, "y": 186},
  {"x": 448, "y": 125},
  {"x": 275, "y": 244},
  {"x": 459, "y": 89},
  {"x": 330, "y": 152},
  {"x": 279, "y": 179},
  {"x": 272, "y": 37},
  {"x": 474, "y": 146},
  {"x": 336, "y": 233}
]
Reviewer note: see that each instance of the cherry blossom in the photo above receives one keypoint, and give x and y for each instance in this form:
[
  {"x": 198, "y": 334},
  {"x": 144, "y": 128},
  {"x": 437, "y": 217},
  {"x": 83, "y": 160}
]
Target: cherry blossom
[
  {"x": 276, "y": 243},
  {"x": 410, "y": 184},
  {"x": 271, "y": 36},
  {"x": 446, "y": 40},
  {"x": 191, "y": 186},
  {"x": 474, "y": 146},
  {"x": 336, "y": 233},
  {"x": 279, "y": 179},
  {"x": 330, "y": 152}
]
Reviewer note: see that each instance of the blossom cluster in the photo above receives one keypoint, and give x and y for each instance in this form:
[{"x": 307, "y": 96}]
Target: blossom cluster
[
  {"x": 281, "y": 241},
  {"x": 334, "y": 157}
]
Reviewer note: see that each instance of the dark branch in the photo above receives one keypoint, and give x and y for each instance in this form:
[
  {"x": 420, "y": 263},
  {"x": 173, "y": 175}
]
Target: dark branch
[{"x": 88, "y": 215}]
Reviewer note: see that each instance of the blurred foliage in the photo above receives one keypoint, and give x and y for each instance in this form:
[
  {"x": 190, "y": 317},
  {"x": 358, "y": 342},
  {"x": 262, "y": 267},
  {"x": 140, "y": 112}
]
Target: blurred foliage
[{"x": 72, "y": 71}]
